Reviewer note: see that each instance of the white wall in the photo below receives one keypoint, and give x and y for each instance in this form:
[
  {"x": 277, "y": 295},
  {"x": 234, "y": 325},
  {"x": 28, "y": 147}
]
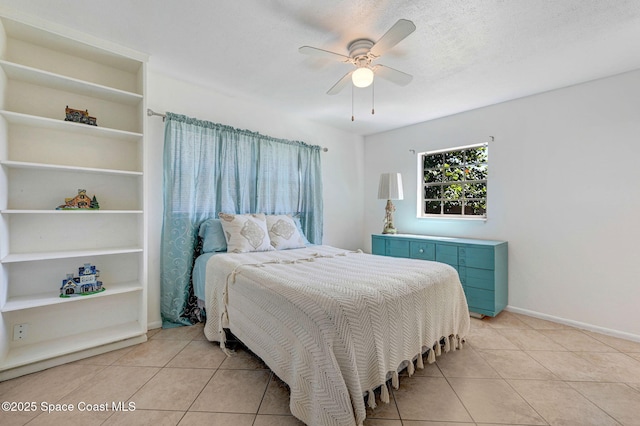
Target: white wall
[
  {"x": 342, "y": 165},
  {"x": 563, "y": 191}
]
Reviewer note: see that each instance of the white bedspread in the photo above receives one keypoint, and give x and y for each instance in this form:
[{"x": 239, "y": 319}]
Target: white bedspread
[{"x": 334, "y": 324}]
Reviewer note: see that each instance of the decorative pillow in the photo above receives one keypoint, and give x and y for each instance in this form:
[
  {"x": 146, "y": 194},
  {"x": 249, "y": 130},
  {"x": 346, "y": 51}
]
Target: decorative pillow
[
  {"x": 212, "y": 235},
  {"x": 245, "y": 232},
  {"x": 283, "y": 232}
]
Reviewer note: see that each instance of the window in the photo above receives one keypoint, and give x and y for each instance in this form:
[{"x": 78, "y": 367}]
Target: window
[{"x": 453, "y": 182}]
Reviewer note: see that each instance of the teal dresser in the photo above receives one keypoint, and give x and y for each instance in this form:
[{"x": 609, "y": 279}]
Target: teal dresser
[{"x": 481, "y": 264}]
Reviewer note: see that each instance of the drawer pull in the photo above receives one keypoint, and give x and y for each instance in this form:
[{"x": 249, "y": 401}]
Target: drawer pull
[{"x": 421, "y": 250}]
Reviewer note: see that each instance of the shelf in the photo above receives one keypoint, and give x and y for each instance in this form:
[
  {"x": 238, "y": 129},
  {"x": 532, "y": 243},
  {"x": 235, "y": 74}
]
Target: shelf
[
  {"x": 55, "y": 167},
  {"x": 31, "y": 257},
  {"x": 68, "y": 126},
  {"x": 57, "y": 81},
  {"x": 77, "y": 211},
  {"x": 35, "y": 352},
  {"x": 66, "y": 41},
  {"x": 52, "y": 298}
]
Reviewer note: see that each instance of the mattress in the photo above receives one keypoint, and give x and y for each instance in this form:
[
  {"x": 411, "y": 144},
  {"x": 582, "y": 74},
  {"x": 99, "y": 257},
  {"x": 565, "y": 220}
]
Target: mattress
[{"x": 334, "y": 324}]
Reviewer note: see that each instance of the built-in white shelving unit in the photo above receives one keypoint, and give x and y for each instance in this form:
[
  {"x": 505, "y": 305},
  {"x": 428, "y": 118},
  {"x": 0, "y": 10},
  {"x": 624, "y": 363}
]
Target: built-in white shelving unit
[{"x": 43, "y": 160}]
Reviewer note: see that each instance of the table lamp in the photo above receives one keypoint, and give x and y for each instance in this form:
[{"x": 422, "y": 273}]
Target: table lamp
[{"x": 390, "y": 188}]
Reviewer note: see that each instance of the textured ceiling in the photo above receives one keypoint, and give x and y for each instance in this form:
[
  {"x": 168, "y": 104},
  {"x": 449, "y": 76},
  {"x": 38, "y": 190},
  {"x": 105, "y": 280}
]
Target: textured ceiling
[{"x": 463, "y": 54}]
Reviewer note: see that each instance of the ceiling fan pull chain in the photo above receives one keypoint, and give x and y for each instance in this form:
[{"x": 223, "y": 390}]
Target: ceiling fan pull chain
[
  {"x": 352, "y": 102},
  {"x": 373, "y": 98}
]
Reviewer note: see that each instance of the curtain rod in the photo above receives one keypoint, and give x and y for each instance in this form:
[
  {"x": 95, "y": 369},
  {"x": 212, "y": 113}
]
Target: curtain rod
[{"x": 151, "y": 113}]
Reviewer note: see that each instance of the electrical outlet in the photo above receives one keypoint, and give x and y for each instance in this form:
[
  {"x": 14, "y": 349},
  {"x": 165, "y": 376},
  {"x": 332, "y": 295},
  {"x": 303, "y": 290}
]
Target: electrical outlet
[{"x": 20, "y": 331}]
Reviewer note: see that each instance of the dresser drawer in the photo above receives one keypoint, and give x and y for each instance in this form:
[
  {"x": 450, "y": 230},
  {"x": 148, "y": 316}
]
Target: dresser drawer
[
  {"x": 473, "y": 257},
  {"x": 378, "y": 246},
  {"x": 423, "y": 250},
  {"x": 478, "y": 298},
  {"x": 398, "y": 248},
  {"x": 447, "y": 254},
  {"x": 477, "y": 278}
]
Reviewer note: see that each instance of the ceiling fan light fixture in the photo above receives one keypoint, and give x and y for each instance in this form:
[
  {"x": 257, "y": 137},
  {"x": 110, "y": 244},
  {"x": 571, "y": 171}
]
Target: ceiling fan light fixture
[{"x": 362, "y": 77}]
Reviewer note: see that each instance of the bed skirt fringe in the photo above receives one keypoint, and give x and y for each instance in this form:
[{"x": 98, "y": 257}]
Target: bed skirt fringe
[
  {"x": 410, "y": 368},
  {"x": 431, "y": 357},
  {"x": 446, "y": 344},
  {"x": 395, "y": 382},
  {"x": 384, "y": 393},
  {"x": 371, "y": 399}
]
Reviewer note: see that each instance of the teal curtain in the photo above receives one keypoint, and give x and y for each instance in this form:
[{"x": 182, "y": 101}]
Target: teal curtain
[{"x": 211, "y": 168}]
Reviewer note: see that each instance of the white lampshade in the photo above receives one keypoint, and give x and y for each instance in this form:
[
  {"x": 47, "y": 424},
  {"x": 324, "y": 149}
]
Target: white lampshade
[
  {"x": 390, "y": 187},
  {"x": 362, "y": 77}
]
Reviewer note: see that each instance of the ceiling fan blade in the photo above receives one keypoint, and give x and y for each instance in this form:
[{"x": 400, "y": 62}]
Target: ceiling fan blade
[
  {"x": 314, "y": 51},
  {"x": 395, "y": 35},
  {"x": 393, "y": 75},
  {"x": 341, "y": 84}
]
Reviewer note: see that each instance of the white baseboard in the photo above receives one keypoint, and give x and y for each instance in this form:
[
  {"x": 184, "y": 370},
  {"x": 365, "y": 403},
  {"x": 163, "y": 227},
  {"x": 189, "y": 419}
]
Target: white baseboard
[
  {"x": 54, "y": 362},
  {"x": 577, "y": 324},
  {"x": 154, "y": 324}
]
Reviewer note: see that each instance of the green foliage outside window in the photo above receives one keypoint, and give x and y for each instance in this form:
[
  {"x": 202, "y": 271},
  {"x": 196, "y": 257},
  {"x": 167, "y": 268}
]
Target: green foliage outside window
[{"x": 455, "y": 182}]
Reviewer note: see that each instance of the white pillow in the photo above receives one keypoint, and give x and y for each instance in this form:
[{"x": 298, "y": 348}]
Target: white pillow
[
  {"x": 283, "y": 232},
  {"x": 245, "y": 232}
]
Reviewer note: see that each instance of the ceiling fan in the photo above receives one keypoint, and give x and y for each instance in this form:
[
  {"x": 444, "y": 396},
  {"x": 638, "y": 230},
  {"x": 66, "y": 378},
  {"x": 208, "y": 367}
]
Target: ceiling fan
[{"x": 362, "y": 52}]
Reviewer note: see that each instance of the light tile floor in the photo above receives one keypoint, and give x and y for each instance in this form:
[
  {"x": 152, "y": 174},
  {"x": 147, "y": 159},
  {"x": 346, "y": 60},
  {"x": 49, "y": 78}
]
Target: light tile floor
[{"x": 515, "y": 370}]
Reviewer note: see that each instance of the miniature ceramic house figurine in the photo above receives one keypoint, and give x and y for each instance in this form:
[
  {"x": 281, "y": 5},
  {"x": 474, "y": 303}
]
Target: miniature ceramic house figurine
[
  {"x": 84, "y": 284},
  {"x": 80, "y": 201},
  {"x": 79, "y": 116}
]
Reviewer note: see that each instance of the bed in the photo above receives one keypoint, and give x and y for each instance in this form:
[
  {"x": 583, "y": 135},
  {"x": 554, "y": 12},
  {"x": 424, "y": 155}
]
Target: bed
[{"x": 333, "y": 324}]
